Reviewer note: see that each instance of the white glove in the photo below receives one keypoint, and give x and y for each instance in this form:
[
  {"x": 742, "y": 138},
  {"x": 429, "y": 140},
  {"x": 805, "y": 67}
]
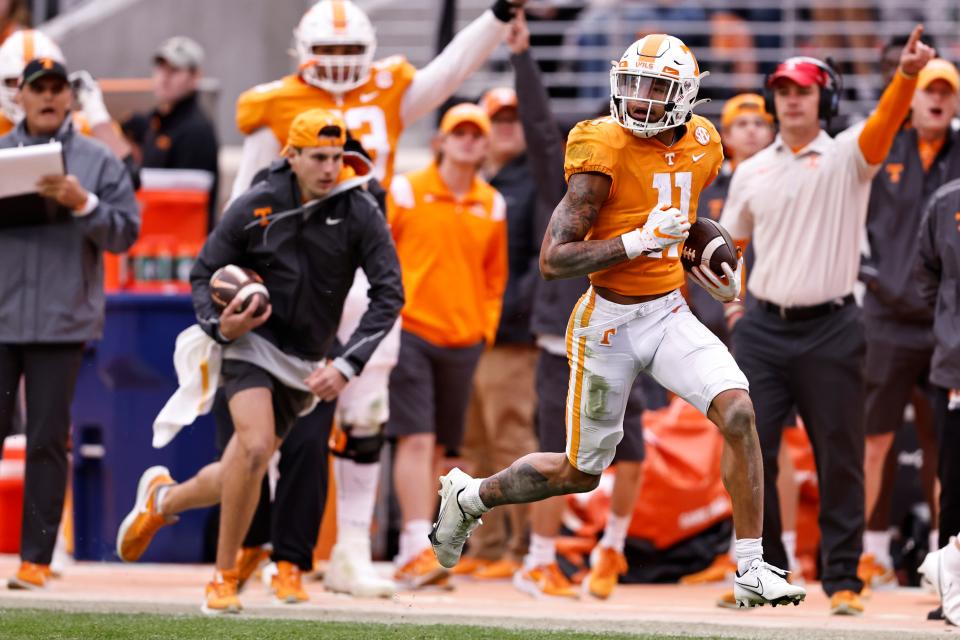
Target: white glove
[
  {"x": 90, "y": 98},
  {"x": 665, "y": 227},
  {"x": 723, "y": 292}
]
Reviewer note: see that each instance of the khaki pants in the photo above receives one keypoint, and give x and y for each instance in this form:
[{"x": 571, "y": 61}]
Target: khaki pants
[{"x": 499, "y": 430}]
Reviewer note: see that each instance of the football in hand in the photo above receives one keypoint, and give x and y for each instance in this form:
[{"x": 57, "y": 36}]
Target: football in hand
[
  {"x": 232, "y": 281},
  {"x": 708, "y": 245}
]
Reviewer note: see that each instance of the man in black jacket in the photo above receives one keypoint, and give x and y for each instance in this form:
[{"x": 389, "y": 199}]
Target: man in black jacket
[
  {"x": 925, "y": 155},
  {"x": 305, "y": 230},
  {"x": 938, "y": 277},
  {"x": 177, "y": 134}
]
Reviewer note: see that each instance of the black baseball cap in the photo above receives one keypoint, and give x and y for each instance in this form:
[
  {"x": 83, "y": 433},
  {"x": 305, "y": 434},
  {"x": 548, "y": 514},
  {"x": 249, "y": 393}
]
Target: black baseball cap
[{"x": 42, "y": 68}]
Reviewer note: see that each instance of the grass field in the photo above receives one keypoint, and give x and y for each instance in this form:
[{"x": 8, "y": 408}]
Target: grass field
[{"x": 52, "y": 625}]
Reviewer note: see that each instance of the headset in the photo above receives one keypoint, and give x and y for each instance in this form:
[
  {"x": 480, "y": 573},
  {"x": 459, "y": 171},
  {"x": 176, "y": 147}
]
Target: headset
[{"x": 830, "y": 93}]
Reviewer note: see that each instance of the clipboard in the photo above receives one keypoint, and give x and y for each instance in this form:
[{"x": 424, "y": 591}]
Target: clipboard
[{"x": 20, "y": 169}]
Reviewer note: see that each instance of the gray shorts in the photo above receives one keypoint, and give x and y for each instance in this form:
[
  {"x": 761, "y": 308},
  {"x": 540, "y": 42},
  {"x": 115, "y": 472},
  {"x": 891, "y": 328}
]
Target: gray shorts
[
  {"x": 430, "y": 389},
  {"x": 237, "y": 375},
  {"x": 553, "y": 377}
]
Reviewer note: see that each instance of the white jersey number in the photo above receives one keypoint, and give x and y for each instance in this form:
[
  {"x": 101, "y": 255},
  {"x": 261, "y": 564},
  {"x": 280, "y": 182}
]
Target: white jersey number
[
  {"x": 369, "y": 126},
  {"x": 665, "y": 183}
]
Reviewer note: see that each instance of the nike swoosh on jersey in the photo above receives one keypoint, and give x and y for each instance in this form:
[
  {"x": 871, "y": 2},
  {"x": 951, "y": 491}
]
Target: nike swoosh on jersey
[
  {"x": 332, "y": 221},
  {"x": 367, "y": 97},
  {"x": 697, "y": 156}
]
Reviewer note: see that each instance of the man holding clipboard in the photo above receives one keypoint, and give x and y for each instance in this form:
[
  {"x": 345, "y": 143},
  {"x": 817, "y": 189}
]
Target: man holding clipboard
[{"x": 64, "y": 200}]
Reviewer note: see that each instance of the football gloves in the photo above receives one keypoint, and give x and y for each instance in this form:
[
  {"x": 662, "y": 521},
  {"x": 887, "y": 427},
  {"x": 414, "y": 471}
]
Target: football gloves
[
  {"x": 665, "y": 227},
  {"x": 89, "y": 97},
  {"x": 718, "y": 289}
]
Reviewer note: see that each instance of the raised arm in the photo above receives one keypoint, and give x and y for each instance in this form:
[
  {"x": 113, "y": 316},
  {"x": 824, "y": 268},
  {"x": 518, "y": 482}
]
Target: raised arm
[{"x": 882, "y": 126}]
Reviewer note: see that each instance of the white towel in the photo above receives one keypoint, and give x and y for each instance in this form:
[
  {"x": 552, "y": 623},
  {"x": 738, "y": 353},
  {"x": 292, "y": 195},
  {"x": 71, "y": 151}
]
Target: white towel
[{"x": 197, "y": 359}]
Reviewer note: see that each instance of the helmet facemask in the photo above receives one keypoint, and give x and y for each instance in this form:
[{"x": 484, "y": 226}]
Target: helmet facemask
[
  {"x": 665, "y": 100},
  {"x": 9, "y": 105},
  {"x": 337, "y": 72}
]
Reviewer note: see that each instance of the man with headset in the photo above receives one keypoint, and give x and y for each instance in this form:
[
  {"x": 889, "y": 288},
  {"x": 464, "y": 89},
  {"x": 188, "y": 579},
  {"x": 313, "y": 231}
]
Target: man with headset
[{"x": 803, "y": 202}]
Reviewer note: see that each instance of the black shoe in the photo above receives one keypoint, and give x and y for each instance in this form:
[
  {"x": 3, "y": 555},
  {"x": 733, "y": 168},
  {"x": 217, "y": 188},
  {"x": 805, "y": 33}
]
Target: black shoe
[{"x": 936, "y": 614}]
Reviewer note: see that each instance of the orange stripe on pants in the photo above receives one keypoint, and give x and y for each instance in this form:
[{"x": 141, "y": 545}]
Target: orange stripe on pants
[{"x": 576, "y": 364}]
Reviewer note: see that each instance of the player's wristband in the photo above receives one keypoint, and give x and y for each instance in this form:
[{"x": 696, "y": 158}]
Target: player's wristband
[
  {"x": 633, "y": 243},
  {"x": 503, "y": 10}
]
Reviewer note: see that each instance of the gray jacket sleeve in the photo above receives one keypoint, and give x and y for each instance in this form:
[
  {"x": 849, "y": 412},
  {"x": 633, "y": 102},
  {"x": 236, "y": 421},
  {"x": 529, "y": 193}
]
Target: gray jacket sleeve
[
  {"x": 545, "y": 145},
  {"x": 115, "y": 223},
  {"x": 378, "y": 259},
  {"x": 225, "y": 245},
  {"x": 928, "y": 265}
]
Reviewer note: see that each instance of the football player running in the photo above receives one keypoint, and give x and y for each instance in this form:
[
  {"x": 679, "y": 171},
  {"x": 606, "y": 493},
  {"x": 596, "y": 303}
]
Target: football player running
[
  {"x": 335, "y": 46},
  {"x": 633, "y": 182}
]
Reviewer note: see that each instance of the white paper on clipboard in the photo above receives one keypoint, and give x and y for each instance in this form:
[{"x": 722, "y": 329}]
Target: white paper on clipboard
[{"x": 22, "y": 167}]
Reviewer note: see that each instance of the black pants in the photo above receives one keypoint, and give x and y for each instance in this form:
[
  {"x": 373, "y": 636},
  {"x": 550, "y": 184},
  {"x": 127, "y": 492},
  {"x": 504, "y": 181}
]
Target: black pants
[
  {"x": 816, "y": 365},
  {"x": 50, "y": 374},
  {"x": 292, "y": 522},
  {"x": 948, "y": 427}
]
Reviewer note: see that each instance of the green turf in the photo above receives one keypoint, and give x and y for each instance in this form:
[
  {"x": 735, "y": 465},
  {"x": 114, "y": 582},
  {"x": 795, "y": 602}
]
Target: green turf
[{"x": 56, "y": 625}]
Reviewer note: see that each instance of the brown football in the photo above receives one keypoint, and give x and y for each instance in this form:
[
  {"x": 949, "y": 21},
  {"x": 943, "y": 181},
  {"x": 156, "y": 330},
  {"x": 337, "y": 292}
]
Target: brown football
[
  {"x": 231, "y": 281},
  {"x": 708, "y": 245}
]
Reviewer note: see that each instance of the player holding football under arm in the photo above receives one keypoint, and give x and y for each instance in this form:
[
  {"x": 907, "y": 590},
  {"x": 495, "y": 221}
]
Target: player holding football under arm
[
  {"x": 633, "y": 181},
  {"x": 335, "y": 44}
]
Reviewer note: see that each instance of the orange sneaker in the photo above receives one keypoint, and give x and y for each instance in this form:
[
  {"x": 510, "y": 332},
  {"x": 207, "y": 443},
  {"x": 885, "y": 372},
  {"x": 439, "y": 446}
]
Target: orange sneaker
[
  {"x": 469, "y": 565},
  {"x": 719, "y": 571},
  {"x": 500, "y": 570},
  {"x": 606, "y": 567},
  {"x": 846, "y": 603},
  {"x": 544, "y": 581},
  {"x": 30, "y": 576},
  {"x": 875, "y": 574},
  {"x": 143, "y": 522},
  {"x": 287, "y": 585},
  {"x": 221, "y": 594},
  {"x": 422, "y": 571},
  {"x": 249, "y": 559}
]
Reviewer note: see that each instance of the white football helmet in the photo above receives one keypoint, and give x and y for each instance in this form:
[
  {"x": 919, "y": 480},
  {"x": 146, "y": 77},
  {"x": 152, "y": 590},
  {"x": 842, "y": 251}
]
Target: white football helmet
[
  {"x": 328, "y": 23},
  {"x": 656, "y": 71},
  {"x": 16, "y": 51}
]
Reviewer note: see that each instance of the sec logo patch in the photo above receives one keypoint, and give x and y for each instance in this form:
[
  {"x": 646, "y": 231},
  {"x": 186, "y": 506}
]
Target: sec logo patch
[
  {"x": 702, "y": 136},
  {"x": 383, "y": 80}
]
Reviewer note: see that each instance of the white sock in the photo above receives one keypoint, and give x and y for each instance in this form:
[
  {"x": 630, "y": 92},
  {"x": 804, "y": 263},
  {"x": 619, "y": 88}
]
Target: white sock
[
  {"x": 543, "y": 551},
  {"x": 951, "y": 557},
  {"x": 732, "y": 549},
  {"x": 158, "y": 497},
  {"x": 748, "y": 550},
  {"x": 615, "y": 533},
  {"x": 356, "y": 496},
  {"x": 789, "y": 539},
  {"x": 413, "y": 540},
  {"x": 877, "y": 543},
  {"x": 470, "y": 501},
  {"x": 934, "y": 540}
]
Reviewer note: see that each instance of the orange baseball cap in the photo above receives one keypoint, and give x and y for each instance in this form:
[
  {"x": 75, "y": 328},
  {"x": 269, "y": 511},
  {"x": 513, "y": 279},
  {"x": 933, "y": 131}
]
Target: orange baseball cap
[
  {"x": 305, "y": 129},
  {"x": 740, "y": 104},
  {"x": 498, "y": 98},
  {"x": 939, "y": 69},
  {"x": 465, "y": 112}
]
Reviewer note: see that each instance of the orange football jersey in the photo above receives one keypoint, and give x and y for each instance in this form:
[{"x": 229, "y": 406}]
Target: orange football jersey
[
  {"x": 371, "y": 111},
  {"x": 645, "y": 173},
  {"x": 78, "y": 121},
  {"x": 5, "y": 126}
]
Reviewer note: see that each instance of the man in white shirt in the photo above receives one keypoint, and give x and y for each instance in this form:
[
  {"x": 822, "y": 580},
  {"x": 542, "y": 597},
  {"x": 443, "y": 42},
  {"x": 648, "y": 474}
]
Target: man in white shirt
[{"x": 803, "y": 202}]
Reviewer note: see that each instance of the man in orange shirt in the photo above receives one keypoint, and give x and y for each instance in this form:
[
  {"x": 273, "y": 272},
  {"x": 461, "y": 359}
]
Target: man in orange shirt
[
  {"x": 633, "y": 182},
  {"x": 451, "y": 233}
]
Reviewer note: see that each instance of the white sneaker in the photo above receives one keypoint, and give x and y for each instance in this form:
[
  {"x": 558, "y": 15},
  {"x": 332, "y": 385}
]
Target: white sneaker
[
  {"x": 453, "y": 525},
  {"x": 947, "y": 583},
  {"x": 764, "y": 584},
  {"x": 351, "y": 571},
  {"x": 929, "y": 571}
]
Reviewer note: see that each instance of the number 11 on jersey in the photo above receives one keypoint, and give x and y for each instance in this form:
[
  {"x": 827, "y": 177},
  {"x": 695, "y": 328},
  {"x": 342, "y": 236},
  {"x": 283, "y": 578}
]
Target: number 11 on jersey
[{"x": 665, "y": 183}]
